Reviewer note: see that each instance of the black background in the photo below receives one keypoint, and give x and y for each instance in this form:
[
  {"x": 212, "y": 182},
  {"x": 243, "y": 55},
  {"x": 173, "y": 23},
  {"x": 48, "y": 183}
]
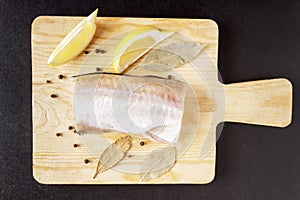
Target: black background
[{"x": 258, "y": 40}]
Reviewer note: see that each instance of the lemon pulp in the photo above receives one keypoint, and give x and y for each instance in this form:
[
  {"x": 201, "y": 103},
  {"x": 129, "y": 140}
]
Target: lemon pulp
[
  {"x": 75, "y": 42},
  {"x": 135, "y": 44}
]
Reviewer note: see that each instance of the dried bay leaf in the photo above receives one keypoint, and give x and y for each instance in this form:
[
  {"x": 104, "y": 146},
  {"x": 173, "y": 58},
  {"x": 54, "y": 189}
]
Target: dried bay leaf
[
  {"x": 162, "y": 60},
  {"x": 171, "y": 56},
  {"x": 157, "y": 163},
  {"x": 187, "y": 50},
  {"x": 113, "y": 154}
]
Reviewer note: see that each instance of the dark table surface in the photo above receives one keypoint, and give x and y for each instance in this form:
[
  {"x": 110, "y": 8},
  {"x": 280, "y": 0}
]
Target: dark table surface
[{"x": 258, "y": 40}]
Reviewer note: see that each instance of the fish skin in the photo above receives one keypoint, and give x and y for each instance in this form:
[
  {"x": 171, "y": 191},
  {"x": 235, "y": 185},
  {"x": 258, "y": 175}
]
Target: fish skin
[{"x": 131, "y": 104}]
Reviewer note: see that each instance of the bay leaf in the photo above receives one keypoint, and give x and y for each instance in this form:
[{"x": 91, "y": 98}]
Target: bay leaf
[
  {"x": 157, "y": 163},
  {"x": 171, "y": 56},
  {"x": 113, "y": 154}
]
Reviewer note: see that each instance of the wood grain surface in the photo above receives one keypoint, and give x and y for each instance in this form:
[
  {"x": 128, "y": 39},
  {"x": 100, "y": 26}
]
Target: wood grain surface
[
  {"x": 265, "y": 102},
  {"x": 60, "y": 156}
]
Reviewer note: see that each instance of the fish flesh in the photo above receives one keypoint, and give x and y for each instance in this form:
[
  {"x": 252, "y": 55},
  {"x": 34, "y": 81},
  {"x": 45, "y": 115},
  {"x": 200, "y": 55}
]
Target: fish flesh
[{"x": 147, "y": 105}]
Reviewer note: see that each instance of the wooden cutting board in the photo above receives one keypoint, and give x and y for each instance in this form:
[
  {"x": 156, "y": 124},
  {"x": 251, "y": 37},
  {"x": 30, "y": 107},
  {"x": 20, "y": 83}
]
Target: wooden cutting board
[{"x": 59, "y": 157}]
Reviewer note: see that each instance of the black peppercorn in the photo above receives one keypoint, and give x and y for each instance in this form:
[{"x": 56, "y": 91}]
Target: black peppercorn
[{"x": 100, "y": 51}]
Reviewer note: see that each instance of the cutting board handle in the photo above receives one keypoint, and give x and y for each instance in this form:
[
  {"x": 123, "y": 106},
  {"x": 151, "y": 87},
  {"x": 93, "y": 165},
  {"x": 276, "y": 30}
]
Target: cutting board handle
[{"x": 264, "y": 102}]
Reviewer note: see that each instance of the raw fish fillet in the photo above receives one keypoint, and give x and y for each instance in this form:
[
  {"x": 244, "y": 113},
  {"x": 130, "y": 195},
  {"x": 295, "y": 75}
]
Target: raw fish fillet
[{"x": 132, "y": 104}]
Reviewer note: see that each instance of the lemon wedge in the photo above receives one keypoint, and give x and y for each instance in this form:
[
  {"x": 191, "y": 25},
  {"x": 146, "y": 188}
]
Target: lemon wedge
[
  {"x": 135, "y": 44},
  {"x": 75, "y": 42}
]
